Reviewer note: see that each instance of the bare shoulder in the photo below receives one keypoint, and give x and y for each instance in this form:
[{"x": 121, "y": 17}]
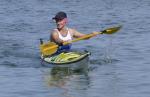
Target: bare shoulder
[
  {"x": 53, "y": 35},
  {"x": 54, "y": 32}
]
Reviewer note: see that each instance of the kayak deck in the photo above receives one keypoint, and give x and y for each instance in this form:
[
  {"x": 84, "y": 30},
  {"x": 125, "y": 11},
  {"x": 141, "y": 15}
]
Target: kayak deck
[{"x": 66, "y": 57}]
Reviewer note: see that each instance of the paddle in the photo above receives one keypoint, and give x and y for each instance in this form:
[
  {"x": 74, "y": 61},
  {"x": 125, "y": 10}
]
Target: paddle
[{"x": 50, "y": 48}]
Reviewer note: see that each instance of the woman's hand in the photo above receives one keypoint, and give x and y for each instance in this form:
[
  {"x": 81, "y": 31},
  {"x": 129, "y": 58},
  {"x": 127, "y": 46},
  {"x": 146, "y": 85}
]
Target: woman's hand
[{"x": 95, "y": 33}]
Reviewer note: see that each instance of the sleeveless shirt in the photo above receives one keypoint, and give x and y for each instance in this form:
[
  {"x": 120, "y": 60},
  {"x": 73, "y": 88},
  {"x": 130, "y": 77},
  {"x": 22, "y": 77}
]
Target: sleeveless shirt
[{"x": 64, "y": 38}]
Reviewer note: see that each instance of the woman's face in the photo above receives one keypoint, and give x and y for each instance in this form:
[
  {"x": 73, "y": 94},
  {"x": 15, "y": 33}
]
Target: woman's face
[{"x": 60, "y": 24}]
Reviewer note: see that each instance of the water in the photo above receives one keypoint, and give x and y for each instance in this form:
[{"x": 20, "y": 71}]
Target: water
[{"x": 118, "y": 65}]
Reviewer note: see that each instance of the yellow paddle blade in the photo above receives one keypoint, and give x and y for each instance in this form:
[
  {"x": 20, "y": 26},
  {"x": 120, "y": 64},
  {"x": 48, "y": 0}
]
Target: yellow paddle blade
[
  {"x": 111, "y": 30},
  {"x": 48, "y": 48}
]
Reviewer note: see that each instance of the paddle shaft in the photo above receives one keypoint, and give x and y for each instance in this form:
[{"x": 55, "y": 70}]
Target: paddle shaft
[{"x": 81, "y": 38}]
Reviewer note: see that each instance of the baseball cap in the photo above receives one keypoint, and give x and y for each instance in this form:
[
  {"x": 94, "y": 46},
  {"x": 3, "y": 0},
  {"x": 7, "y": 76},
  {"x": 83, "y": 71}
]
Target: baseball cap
[{"x": 60, "y": 16}]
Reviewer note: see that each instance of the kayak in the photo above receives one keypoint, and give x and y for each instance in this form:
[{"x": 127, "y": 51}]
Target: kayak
[{"x": 66, "y": 57}]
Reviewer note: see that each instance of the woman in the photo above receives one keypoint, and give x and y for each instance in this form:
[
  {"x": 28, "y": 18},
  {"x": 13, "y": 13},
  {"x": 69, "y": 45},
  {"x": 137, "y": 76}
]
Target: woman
[{"x": 62, "y": 33}]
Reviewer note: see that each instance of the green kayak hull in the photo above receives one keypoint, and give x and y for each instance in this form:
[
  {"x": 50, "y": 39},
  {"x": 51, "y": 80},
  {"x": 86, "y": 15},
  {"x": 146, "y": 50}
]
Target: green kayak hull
[{"x": 66, "y": 57}]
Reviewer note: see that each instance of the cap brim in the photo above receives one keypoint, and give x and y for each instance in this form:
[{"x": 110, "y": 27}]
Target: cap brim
[{"x": 53, "y": 18}]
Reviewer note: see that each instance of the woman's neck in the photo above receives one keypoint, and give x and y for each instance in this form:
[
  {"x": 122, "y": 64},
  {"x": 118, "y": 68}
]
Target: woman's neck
[{"x": 62, "y": 29}]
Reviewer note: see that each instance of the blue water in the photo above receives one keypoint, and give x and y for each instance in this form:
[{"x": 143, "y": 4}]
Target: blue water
[{"x": 118, "y": 65}]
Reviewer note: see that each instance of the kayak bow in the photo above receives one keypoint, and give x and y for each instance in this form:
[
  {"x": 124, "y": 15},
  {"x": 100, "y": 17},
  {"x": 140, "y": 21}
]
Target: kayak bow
[{"x": 66, "y": 57}]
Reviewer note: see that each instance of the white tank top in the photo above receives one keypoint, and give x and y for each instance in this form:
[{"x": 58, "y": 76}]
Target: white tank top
[{"x": 65, "y": 38}]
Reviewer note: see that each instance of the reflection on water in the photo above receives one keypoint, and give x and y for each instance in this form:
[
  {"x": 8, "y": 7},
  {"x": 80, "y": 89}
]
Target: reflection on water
[
  {"x": 69, "y": 77},
  {"x": 59, "y": 75}
]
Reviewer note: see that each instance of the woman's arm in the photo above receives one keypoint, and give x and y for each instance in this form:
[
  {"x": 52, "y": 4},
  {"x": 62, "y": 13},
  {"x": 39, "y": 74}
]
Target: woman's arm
[
  {"x": 55, "y": 38},
  {"x": 76, "y": 34}
]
